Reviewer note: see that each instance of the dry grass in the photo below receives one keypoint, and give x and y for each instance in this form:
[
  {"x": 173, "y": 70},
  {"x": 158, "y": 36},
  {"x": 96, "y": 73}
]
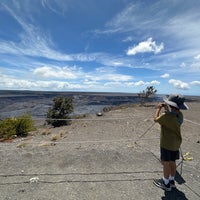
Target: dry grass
[
  {"x": 46, "y": 132},
  {"x": 46, "y": 144},
  {"x": 22, "y": 144},
  {"x": 57, "y": 136}
]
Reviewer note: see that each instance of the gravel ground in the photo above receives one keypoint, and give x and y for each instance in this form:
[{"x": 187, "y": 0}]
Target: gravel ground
[{"x": 115, "y": 156}]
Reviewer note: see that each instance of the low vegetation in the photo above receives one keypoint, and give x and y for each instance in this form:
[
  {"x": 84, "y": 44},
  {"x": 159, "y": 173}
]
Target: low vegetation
[
  {"x": 145, "y": 94},
  {"x": 16, "y": 126},
  {"x": 58, "y": 115}
]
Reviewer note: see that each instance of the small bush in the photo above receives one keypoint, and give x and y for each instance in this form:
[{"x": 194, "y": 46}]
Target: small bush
[
  {"x": 58, "y": 115},
  {"x": 16, "y": 126},
  {"x": 145, "y": 94},
  {"x": 24, "y": 125},
  {"x": 7, "y": 128}
]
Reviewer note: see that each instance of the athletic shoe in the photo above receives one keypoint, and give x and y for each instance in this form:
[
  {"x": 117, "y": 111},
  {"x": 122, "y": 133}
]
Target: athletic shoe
[
  {"x": 172, "y": 184},
  {"x": 160, "y": 183}
]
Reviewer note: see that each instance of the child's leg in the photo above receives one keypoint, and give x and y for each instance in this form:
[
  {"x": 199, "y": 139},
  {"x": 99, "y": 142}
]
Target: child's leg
[
  {"x": 172, "y": 168},
  {"x": 166, "y": 169}
]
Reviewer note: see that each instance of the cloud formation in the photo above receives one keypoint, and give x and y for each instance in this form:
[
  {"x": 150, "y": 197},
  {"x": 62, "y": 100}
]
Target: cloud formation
[
  {"x": 195, "y": 83},
  {"x": 57, "y": 72},
  {"x": 179, "y": 84},
  {"x": 147, "y": 46},
  {"x": 166, "y": 75},
  {"x": 66, "y": 45}
]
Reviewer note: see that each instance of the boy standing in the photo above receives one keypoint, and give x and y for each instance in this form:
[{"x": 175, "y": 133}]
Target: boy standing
[{"x": 170, "y": 139}]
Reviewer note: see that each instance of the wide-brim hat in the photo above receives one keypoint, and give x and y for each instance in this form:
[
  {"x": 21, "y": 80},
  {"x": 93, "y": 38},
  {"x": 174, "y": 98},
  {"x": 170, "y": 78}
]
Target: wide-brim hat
[{"x": 176, "y": 101}]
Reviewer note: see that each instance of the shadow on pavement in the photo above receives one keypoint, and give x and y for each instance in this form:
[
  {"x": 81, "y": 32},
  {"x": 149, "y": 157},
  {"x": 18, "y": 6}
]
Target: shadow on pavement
[
  {"x": 175, "y": 194},
  {"x": 178, "y": 178}
]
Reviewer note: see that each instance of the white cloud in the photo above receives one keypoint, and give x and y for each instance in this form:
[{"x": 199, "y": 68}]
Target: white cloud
[
  {"x": 142, "y": 83},
  {"x": 108, "y": 77},
  {"x": 8, "y": 82},
  {"x": 139, "y": 83},
  {"x": 116, "y": 63},
  {"x": 154, "y": 82},
  {"x": 146, "y": 46},
  {"x": 75, "y": 73},
  {"x": 57, "y": 72},
  {"x": 128, "y": 39},
  {"x": 127, "y": 86},
  {"x": 166, "y": 75},
  {"x": 112, "y": 82},
  {"x": 179, "y": 84},
  {"x": 185, "y": 21},
  {"x": 182, "y": 65},
  {"x": 117, "y": 77},
  {"x": 195, "y": 83},
  {"x": 195, "y": 65},
  {"x": 52, "y": 6},
  {"x": 34, "y": 42},
  {"x": 197, "y": 57}
]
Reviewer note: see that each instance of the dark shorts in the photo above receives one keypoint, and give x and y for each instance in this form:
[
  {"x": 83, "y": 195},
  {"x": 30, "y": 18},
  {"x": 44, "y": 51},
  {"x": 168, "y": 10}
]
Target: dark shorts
[{"x": 167, "y": 155}]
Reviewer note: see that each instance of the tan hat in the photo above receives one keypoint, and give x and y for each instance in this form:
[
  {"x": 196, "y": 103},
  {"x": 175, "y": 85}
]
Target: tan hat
[{"x": 176, "y": 101}]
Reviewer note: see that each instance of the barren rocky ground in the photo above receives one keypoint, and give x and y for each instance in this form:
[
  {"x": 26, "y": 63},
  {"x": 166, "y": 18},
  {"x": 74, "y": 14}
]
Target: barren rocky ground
[
  {"x": 115, "y": 156},
  {"x": 15, "y": 103}
]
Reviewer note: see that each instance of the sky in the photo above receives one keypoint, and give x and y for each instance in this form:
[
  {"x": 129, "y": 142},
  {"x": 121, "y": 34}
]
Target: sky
[{"x": 100, "y": 45}]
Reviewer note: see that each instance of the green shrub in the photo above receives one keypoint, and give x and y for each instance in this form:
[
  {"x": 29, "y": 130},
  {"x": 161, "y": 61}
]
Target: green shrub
[
  {"x": 7, "y": 128},
  {"x": 61, "y": 109},
  {"x": 24, "y": 125},
  {"x": 16, "y": 126}
]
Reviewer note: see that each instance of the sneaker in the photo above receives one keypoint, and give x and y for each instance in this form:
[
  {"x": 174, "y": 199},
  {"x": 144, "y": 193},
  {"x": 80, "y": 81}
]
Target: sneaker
[
  {"x": 172, "y": 184},
  {"x": 160, "y": 183}
]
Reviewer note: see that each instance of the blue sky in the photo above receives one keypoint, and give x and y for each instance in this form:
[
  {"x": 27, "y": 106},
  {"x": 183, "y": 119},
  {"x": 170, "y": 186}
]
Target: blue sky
[{"x": 100, "y": 45}]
